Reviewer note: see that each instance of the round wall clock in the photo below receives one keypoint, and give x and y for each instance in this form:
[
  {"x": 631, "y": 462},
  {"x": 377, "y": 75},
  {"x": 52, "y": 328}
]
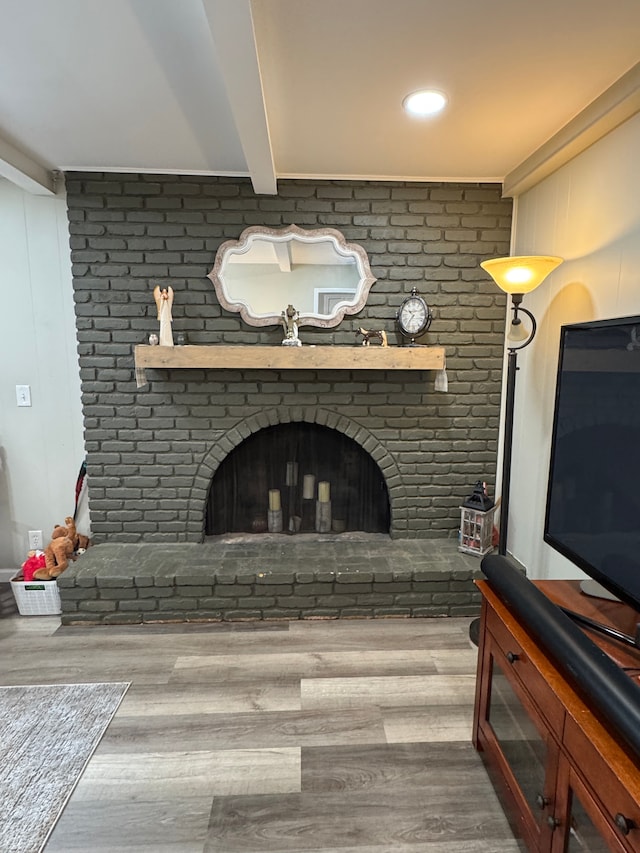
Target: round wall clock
[{"x": 414, "y": 316}]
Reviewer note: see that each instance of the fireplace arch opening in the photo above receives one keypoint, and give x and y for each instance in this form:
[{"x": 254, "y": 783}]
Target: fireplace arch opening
[{"x": 298, "y": 467}]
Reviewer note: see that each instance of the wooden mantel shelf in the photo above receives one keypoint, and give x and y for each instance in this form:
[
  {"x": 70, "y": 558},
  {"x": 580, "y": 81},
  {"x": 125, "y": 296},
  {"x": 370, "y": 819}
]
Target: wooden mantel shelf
[{"x": 327, "y": 357}]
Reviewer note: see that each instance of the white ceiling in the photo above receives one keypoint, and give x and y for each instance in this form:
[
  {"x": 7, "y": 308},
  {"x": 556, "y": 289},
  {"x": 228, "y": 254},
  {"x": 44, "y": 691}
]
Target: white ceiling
[{"x": 295, "y": 88}]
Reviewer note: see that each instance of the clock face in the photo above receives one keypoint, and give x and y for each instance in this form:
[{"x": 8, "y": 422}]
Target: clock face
[{"x": 413, "y": 315}]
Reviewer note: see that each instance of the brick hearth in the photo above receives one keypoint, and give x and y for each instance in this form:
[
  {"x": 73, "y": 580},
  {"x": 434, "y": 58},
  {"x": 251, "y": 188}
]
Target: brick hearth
[{"x": 273, "y": 578}]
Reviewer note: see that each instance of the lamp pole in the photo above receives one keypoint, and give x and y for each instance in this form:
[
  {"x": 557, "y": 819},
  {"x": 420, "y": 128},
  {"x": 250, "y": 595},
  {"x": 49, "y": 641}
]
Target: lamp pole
[
  {"x": 509, "y": 405},
  {"x": 516, "y": 276}
]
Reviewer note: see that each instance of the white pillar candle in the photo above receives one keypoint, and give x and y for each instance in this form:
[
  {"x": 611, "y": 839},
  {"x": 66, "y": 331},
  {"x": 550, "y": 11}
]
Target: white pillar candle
[
  {"x": 274, "y": 499},
  {"x": 292, "y": 474},
  {"x": 308, "y": 485},
  {"x": 323, "y": 491},
  {"x": 323, "y": 516}
]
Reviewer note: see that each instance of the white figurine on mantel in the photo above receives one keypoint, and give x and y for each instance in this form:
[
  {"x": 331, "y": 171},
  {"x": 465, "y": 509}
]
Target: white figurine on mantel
[
  {"x": 164, "y": 301},
  {"x": 290, "y": 326}
]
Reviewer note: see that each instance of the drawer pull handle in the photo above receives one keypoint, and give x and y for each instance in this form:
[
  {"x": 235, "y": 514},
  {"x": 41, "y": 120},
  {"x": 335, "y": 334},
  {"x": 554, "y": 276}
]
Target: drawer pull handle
[
  {"x": 552, "y": 822},
  {"x": 512, "y": 657},
  {"x": 541, "y": 801},
  {"x": 624, "y": 824}
]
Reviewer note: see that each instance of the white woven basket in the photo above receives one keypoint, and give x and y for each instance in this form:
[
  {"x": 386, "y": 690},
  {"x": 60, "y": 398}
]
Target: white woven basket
[{"x": 36, "y": 598}]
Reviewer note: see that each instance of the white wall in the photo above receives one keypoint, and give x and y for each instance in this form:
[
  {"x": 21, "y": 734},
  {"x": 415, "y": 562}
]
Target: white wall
[
  {"x": 41, "y": 447},
  {"x": 589, "y": 214}
]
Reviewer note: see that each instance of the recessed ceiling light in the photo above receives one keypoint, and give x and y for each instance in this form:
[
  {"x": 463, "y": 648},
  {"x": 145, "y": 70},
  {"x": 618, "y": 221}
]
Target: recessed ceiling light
[{"x": 426, "y": 102}]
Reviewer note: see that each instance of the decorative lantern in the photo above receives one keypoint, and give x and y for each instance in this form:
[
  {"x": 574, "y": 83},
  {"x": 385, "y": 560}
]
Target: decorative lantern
[{"x": 476, "y": 522}]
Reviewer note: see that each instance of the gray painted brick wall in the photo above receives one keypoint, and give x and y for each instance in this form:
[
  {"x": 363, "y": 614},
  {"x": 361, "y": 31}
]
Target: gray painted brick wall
[{"x": 152, "y": 451}]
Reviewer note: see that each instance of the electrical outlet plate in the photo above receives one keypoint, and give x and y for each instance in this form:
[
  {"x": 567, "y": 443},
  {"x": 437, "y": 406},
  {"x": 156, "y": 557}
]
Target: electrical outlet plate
[{"x": 35, "y": 540}]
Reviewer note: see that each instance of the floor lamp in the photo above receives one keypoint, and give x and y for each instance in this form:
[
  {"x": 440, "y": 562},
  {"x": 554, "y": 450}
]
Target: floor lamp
[{"x": 516, "y": 276}]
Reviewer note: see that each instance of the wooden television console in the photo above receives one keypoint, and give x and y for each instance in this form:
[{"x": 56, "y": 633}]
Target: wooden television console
[{"x": 567, "y": 779}]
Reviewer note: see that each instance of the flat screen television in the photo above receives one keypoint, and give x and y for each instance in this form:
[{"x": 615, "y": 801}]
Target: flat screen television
[{"x": 593, "y": 497}]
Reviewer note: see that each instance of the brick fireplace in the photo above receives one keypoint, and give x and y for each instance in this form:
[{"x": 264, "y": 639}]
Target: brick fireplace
[{"x": 152, "y": 451}]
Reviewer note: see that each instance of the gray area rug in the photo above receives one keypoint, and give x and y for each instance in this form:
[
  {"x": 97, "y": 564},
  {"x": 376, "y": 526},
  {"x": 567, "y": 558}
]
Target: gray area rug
[{"x": 47, "y": 735}]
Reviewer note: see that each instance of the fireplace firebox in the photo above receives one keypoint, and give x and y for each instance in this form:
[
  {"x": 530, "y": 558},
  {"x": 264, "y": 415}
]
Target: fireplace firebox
[{"x": 298, "y": 478}]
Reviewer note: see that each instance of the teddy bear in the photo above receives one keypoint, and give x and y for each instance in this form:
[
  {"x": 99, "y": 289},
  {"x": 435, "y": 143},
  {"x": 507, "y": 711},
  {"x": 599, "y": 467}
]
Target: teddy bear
[
  {"x": 65, "y": 541},
  {"x": 57, "y": 555},
  {"x": 80, "y": 541}
]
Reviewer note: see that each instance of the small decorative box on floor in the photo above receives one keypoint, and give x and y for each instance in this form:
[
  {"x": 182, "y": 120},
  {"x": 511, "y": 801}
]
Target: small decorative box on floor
[
  {"x": 476, "y": 522},
  {"x": 36, "y": 598}
]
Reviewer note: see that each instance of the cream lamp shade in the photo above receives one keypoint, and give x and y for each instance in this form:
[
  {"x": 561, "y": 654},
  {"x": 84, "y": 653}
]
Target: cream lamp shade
[
  {"x": 520, "y": 274},
  {"x": 518, "y": 332}
]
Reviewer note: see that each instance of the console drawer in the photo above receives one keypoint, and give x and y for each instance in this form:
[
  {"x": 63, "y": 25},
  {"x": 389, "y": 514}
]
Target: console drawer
[{"x": 516, "y": 660}]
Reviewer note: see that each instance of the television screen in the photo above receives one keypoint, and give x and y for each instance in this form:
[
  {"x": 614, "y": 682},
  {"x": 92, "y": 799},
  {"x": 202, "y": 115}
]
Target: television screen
[{"x": 593, "y": 498}]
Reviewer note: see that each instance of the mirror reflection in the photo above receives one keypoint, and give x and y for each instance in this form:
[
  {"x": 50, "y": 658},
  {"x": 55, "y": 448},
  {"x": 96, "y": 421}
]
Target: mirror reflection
[{"x": 316, "y": 271}]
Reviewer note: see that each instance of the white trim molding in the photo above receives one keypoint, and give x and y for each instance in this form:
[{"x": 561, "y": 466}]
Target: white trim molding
[{"x": 618, "y": 103}]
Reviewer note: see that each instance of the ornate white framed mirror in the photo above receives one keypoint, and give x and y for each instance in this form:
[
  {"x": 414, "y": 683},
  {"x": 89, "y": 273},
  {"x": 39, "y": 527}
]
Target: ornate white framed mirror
[{"x": 316, "y": 271}]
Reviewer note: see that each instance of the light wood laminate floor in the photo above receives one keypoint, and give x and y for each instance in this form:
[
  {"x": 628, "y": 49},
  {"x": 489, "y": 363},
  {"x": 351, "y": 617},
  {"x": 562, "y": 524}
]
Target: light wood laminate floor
[{"x": 315, "y": 736}]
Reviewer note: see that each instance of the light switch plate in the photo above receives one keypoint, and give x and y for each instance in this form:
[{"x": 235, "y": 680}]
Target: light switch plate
[{"x": 23, "y": 395}]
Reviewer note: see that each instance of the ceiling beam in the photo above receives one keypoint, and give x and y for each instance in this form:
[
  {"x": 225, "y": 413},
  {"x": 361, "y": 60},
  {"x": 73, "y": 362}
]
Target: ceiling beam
[
  {"x": 25, "y": 172},
  {"x": 613, "y": 107},
  {"x": 231, "y": 25},
  {"x": 283, "y": 255}
]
